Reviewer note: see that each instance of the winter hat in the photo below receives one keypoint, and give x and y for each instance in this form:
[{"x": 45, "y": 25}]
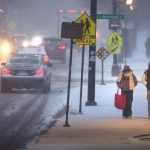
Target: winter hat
[{"x": 126, "y": 68}]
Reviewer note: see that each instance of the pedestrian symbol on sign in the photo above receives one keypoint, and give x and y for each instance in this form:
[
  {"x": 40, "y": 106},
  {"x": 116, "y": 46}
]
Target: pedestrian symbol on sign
[
  {"x": 87, "y": 26},
  {"x": 89, "y": 30},
  {"x": 114, "y": 43}
]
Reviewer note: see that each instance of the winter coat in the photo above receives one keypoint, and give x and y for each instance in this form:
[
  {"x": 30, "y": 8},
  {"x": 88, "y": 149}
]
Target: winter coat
[
  {"x": 127, "y": 81},
  {"x": 146, "y": 78}
]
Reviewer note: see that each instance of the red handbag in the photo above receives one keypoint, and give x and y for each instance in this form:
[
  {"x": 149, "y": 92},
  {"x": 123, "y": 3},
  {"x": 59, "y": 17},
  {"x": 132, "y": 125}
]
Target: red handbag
[{"x": 120, "y": 100}]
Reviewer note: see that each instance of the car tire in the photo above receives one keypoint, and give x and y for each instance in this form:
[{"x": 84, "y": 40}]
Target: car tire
[
  {"x": 44, "y": 89},
  {"x": 9, "y": 90},
  {"x": 5, "y": 89}
]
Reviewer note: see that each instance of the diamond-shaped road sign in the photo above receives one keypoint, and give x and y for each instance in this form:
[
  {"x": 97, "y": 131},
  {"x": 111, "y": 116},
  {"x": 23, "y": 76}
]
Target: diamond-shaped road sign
[
  {"x": 89, "y": 30},
  {"x": 102, "y": 53}
]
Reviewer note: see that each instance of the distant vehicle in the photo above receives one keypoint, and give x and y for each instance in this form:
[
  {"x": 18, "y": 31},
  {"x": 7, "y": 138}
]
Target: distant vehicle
[
  {"x": 55, "y": 48},
  {"x": 25, "y": 72},
  {"x": 42, "y": 34},
  {"x": 20, "y": 39},
  {"x": 34, "y": 51},
  {"x": 20, "y": 36},
  {"x": 37, "y": 36}
]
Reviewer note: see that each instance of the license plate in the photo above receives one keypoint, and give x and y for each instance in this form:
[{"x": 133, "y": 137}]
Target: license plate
[{"x": 22, "y": 73}]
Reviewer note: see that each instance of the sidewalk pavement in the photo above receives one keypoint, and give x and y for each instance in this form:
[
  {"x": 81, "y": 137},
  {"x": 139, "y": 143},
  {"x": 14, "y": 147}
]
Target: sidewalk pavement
[
  {"x": 100, "y": 127},
  {"x": 88, "y": 131}
]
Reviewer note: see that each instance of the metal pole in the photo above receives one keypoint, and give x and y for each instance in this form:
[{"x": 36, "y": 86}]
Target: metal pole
[
  {"x": 102, "y": 81},
  {"x": 115, "y": 67},
  {"x": 69, "y": 81},
  {"x": 3, "y": 5},
  {"x": 92, "y": 62},
  {"x": 58, "y": 24},
  {"x": 125, "y": 51},
  {"x": 115, "y": 60},
  {"x": 81, "y": 84}
]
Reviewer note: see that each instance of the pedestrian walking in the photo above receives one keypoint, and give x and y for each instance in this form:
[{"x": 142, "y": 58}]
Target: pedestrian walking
[
  {"x": 127, "y": 81},
  {"x": 146, "y": 82}
]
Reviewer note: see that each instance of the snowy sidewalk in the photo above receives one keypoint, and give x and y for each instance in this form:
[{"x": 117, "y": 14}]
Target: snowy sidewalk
[
  {"x": 100, "y": 127},
  {"x": 95, "y": 133}
]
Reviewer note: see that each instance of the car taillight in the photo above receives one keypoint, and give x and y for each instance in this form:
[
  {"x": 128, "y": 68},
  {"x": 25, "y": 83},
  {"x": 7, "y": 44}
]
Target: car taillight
[
  {"x": 39, "y": 72},
  {"x": 5, "y": 71},
  {"x": 62, "y": 46}
]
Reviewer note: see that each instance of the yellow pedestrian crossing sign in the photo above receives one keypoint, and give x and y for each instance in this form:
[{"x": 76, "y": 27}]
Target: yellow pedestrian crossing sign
[
  {"x": 114, "y": 43},
  {"x": 89, "y": 30}
]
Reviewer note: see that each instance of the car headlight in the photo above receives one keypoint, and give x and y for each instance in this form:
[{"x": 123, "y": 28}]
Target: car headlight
[
  {"x": 25, "y": 44},
  {"x": 5, "y": 48},
  {"x": 36, "y": 41}
]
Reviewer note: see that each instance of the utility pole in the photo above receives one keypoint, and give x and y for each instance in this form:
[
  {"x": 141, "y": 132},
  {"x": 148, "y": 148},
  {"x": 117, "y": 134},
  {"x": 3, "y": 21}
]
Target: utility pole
[
  {"x": 115, "y": 68},
  {"x": 2, "y": 15},
  {"x": 92, "y": 62}
]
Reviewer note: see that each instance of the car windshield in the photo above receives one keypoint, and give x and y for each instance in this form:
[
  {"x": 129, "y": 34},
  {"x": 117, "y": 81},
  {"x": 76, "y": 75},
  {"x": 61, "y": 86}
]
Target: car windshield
[
  {"x": 20, "y": 37},
  {"x": 24, "y": 61},
  {"x": 51, "y": 41},
  {"x": 31, "y": 50}
]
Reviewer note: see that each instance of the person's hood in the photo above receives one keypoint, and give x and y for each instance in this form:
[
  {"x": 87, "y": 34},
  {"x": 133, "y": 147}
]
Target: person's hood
[{"x": 127, "y": 74}]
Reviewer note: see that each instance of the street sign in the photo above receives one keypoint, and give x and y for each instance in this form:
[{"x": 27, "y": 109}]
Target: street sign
[
  {"x": 114, "y": 43},
  {"x": 114, "y": 24},
  {"x": 71, "y": 30},
  {"x": 102, "y": 53},
  {"x": 89, "y": 30},
  {"x": 110, "y": 16}
]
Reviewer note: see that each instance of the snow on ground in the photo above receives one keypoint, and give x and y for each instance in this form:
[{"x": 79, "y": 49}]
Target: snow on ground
[
  {"x": 54, "y": 105},
  {"x": 104, "y": 97},
  {"x": 104, "y": 94},
  {"x": 102, "y": 121}
]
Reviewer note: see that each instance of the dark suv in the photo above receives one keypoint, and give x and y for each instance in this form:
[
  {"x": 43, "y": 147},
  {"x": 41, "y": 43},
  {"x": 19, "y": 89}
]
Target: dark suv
[{"x": 55, "y": 48}]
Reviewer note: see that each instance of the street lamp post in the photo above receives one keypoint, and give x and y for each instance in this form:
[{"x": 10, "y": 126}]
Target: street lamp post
[
  {"x": 125, "y": 53},
  {"x": 115, "y": 67},
  {"x": 1, "y": 17}
]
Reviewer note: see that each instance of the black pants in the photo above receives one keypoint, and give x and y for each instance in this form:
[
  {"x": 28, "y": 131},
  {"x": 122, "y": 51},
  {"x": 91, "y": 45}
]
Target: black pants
[{"x": 127, "y": 111}]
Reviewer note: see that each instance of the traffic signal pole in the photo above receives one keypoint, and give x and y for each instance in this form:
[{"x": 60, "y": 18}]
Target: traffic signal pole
[{"x": 92, "y": 62}]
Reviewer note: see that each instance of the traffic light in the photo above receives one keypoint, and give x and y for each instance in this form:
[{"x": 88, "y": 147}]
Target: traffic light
[
  {"x": 61, "y": 10},
  {"x": 71, "y": 11}
]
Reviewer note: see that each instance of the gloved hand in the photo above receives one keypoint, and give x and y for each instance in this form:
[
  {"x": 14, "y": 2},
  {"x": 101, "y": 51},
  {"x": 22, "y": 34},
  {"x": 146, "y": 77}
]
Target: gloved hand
[{"x": 119, "y": 85}]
